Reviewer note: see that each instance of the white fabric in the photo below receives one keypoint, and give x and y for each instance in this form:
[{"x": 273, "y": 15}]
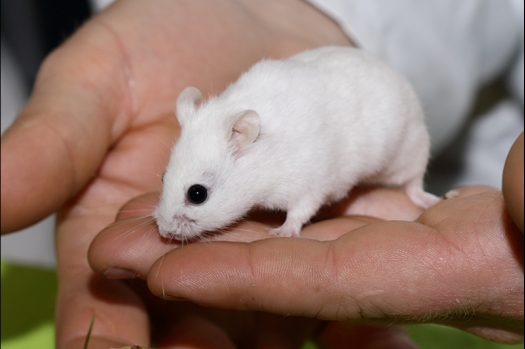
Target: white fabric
[
  {"x": 448, "y": 49},
  {"x": 98, "y": 5}
]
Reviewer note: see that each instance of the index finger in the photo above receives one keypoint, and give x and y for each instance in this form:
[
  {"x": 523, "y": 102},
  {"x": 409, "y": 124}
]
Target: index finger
[{"x": 461, "y": 259}]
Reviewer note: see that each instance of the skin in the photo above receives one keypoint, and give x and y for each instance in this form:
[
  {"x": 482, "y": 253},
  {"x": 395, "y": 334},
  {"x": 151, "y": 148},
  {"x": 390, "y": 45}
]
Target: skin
[
  {"x": 512, "y": 186},
  {"x": 100, "y": 120}
]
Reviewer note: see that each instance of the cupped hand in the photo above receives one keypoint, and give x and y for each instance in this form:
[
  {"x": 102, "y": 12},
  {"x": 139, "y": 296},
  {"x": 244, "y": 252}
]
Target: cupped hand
[
  {"x": 132, "y": 245},
  {"x": 100, "y": 124},
  {"x": 460, "y": 264}
]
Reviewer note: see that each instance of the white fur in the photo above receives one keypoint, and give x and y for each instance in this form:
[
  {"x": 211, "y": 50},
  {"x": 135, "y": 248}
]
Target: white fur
[{"x": 293, "y": 135}]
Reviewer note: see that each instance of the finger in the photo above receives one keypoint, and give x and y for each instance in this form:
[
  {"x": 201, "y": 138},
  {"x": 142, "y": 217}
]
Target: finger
[
  {"x": 130, "y": 246},
  {"x": 300, "y": 277},
  {"x": 95, "y": 343},
  {"x": 187, "y": 325},
  {"x": 234, "y": 330},
  {"x": 342, "y": 335},
  {"x": 62, "y": 134},
  {"x": 270, "y": 331},
  {"x": 467, "y": 191},
  {"x": 194, "y": 332},
  {"x": 387, "y": 271}
]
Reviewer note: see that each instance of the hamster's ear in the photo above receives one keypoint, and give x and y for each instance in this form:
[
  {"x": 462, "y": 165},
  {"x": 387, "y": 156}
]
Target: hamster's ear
[
  {"x": 187, "y": 101},
  {"x": 245, "y": 129}
]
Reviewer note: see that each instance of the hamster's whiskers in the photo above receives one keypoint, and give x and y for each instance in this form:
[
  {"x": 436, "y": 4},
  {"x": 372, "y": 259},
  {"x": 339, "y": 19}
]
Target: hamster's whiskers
[{"x": 145, "y": 221}]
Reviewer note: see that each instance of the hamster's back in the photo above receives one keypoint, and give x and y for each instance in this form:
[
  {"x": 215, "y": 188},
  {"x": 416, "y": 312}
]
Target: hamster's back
[{"x": 327, "y": 115}]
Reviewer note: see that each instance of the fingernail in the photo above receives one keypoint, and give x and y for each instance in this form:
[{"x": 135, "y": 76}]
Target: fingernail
[{"x": 119, "y": 273}]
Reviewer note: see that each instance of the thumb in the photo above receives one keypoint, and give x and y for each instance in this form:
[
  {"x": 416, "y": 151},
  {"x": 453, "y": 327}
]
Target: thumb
[{"x": 62, "y": 134}]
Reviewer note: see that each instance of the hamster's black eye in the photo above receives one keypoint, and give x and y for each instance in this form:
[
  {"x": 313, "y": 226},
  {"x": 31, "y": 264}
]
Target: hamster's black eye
[
  {"x": 162, "y": 178},
  {"x": 197, "y": 194}
]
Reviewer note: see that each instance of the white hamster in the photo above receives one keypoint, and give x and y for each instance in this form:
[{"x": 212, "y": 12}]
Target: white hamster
[{"x": 293, "y": 135}]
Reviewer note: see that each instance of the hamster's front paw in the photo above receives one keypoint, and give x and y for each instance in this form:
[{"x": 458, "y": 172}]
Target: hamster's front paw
[
  {"x": 422, "y": 198},
  {"x": 283, "y": 232}
]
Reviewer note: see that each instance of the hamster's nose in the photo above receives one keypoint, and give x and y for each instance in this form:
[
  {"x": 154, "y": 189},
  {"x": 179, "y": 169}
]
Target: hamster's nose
[{"x": 183, "y": 219}]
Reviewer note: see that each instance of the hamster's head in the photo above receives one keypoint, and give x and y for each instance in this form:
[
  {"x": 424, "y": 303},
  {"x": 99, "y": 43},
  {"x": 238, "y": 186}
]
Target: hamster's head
[{"x": 201, "y": 189}]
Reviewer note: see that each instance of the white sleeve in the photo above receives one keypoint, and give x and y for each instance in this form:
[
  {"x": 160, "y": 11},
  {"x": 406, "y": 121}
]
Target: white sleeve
[
  {"x": 99, "y": 5},
  {"x": 447, "y": 48}
]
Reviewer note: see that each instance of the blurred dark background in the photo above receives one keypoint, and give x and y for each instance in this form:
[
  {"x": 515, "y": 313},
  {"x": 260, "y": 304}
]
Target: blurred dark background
[{"x": 32, "y": 28}]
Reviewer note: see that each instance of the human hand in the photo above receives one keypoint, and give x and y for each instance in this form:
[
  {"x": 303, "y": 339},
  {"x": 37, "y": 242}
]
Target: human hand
[
  {"x": 460, "y": 264},
  {"x": 99, "y": 124},
  {"x": 134, "y": 243}
]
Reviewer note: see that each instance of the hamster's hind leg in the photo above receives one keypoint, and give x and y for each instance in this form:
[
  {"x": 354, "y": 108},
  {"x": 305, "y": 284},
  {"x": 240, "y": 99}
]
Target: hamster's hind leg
[
  {"x": 414, "y": 190},
  {"x": 296, "y": 217}
]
